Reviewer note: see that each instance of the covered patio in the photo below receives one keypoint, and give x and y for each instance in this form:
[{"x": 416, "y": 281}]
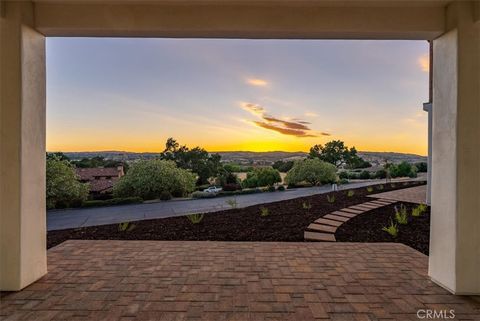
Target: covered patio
[
  {"x": 155, "y": 280},
  {"x": 143, "y": 280}
]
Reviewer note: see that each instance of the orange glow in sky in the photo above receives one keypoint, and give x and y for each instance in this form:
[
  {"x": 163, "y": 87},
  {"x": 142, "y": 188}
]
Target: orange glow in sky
[{"x": 235, "y": 95}]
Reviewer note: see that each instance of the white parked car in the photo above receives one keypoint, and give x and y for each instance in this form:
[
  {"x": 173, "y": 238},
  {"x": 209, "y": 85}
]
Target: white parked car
[{"x": 212, "y": 189}]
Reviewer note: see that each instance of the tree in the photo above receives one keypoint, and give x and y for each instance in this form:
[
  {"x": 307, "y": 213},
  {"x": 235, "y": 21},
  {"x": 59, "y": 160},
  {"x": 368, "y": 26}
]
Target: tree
[
  {"x": 283, "y": 166},
  {"x": 99, "y": 161},
  {"x": 148, "y": 179},
  {"x": 313, "y": 171},
  {"x": 335, "y": 152},
  {"x": 265, "y": 176},
  {"x": 402, "y": 169},
  {"x": 198, "y": 160},
  {"x": 58, "y": 156},
  {"x": 62, "y": 187},
  {"x": 422, "y": 167}
]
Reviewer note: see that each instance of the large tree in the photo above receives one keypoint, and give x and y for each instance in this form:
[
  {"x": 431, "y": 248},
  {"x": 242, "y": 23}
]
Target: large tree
[
  {"x": 197, "y": 159},
  {"x": 337, "y": 153}
]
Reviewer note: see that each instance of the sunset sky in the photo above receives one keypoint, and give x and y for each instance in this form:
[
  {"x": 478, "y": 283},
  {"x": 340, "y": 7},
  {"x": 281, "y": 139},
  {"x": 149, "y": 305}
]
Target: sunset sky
[{"x": 229, "y": 95}]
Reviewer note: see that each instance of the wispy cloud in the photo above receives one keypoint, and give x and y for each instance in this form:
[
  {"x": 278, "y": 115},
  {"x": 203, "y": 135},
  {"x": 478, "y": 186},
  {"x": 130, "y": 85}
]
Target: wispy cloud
[
  {"x": 310, "y": 114},
  {"x": 293, "y": 127},
  {"x": 257, "y": 82},
  {"x": 424, "y": 62}
]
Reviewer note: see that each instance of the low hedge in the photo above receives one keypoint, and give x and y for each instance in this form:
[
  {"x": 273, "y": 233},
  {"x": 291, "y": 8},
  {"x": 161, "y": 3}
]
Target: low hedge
[{"x": 113, "y": 201}]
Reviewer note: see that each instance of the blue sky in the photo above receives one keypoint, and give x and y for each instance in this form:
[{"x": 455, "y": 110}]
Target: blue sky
[{"x": 132, "y": 94}]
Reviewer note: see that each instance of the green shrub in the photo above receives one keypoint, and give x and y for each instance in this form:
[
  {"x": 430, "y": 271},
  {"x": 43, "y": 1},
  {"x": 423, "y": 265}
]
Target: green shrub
[
  {"x": 94, "y": 203},
  {"x": 343, "y": 175},
  {"x": 364, "y": 175},
  {"x": 264, "y": 211},
  {"x": 281, "y": 188},
  {"x": 271, "y": 188},
  {"x": 126, "y": 227},
  {"x": 113, "y": 201},
  {"x": 62, "y": 187},
  {"x": 381, "y": 174},
  {"x": 232, "y": 202},
  {"x": 419, "y": 210},
  {"x": 165, "y": 196},
  {"x": 350, "y": 193},
  {"x": 422, "y": 167},
  {"x": 331, "y": 199},
  {"x": 306, "y": 205},
  {"x": 380, "y": 187},
  {"x": 369, "y": 189},
  {"x": 392, "y": 229},
  {"x": 195, "y": 218},
  {"x": 402, "y": 169},
  {"x": 343, "y": 181},
  {"x": 149, "y": 178},
  {"x": 401, "y": 215},
  {"x": 265, "y": 176},
  {"x": 199, "y": 194},
  {"x": 313, "y": 171}
]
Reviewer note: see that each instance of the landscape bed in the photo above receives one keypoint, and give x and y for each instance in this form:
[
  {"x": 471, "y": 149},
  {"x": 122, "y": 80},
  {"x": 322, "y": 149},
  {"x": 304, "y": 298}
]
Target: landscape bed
[
  {"x": 367, "y": 227},
  {"x": 285, "y": 221}
]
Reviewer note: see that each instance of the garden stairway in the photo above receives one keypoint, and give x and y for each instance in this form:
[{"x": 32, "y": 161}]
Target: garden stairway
[{"x": 324, "y": 228}]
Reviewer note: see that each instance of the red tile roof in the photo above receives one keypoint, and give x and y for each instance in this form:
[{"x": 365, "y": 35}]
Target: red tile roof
[{"x": 102, "y": 185}]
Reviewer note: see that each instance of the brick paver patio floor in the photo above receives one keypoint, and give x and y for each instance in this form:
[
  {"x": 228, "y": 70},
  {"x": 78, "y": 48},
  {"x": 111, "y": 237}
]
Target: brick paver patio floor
[{"x": 156, "y": 280}]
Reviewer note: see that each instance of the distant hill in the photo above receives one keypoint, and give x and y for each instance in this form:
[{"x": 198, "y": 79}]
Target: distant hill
[{"x": 257, "y": 158}]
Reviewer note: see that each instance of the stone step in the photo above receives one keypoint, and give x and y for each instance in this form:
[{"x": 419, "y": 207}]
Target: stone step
[
  {"x": 336, "y": 217},
  {"x": 322, "y": 228},
  {"x": 328, "y": 222},
  {"x": 340, "y": 213},
  {"x": 315, "y": 236},
  {"x": 372, "y": 205},
  {"x": 360, "y": 208},
  {"x": 349, "y": 210}
]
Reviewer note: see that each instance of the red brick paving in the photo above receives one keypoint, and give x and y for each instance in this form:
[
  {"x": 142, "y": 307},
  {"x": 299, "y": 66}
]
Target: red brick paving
[{"x": 157, "y": 280}]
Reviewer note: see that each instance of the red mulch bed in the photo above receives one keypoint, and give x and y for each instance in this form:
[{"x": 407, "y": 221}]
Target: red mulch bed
[
  {"x": 367, "y": 227},
  {"x": 286, "y": 221}
]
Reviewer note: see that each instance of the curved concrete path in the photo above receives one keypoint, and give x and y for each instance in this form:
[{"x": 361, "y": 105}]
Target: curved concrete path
[{"x": 81, "y": 217}]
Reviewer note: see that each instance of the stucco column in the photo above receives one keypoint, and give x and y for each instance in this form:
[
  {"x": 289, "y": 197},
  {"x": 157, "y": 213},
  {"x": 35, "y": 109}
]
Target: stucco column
[
  {"x": 454, "y": 260},
  {"x": 428, "y": 108},
  {"x": 22, "y": 148}
]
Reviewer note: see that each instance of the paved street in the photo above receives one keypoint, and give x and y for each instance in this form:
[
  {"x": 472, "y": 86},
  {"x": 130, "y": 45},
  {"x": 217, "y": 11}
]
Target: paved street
[{"x": 73, "y": 218}]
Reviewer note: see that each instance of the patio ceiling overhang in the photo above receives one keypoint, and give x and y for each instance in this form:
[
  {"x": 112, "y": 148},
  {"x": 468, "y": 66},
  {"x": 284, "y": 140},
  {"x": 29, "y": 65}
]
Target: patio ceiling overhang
[{"x": 243, "y": 19}]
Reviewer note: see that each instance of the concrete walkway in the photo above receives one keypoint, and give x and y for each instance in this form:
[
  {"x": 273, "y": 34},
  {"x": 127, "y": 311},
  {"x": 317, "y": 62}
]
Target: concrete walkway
[
  {"x": 74, "y": 218},
  {"x": 417, "y": 194}
]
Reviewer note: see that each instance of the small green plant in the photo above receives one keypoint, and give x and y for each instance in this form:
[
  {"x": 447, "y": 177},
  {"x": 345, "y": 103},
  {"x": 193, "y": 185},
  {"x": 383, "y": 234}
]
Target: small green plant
[
  {"x": 281, "y": 188},
  {"x": 125, "y": 227},
  {"x": 264, "y": 211},
  {"x": 350, "y": 193},
  {"x": 401, "y": 215},
  {"x": 331, "y": 199},
  {"x": 232, "y": 202},
  {"x": 392, "y": 229},
  {"x": 165, "y": 196},
  {"x": 306, "y": 206},
  {"x": 195, "y": 218},
  {"x": 380, "y": 187},
  {"x": 419, "y": 210},
  {"x": 369, "y": 189}
]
